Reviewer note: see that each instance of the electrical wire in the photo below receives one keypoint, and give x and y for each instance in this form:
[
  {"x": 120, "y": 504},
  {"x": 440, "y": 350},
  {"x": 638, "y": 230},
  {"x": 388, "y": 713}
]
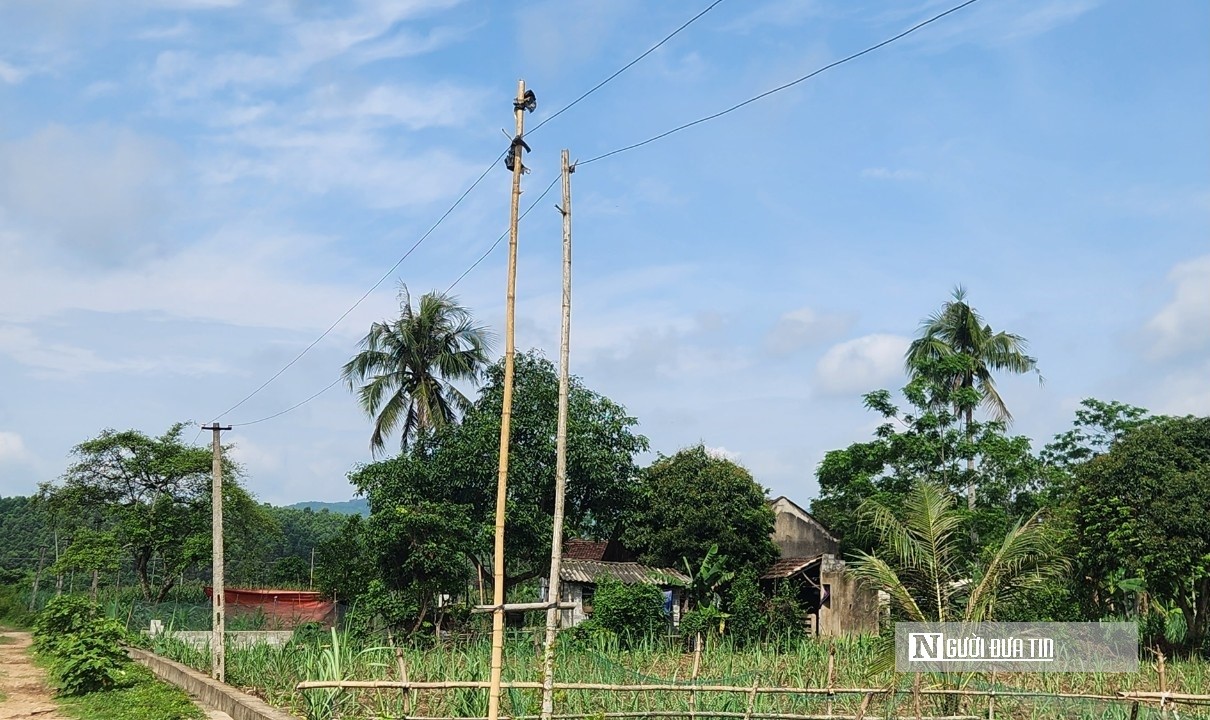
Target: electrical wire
[
  {"x": 289, "y": 409},
  {"x": 779, "y": 88},
  {"x": 453, "y": 207},
  {"x": 626, "y": 67},
  {"x": 451, "y": 287},
  {"x": 502, "y": 236},
  {"x": 367, "y": 293}
]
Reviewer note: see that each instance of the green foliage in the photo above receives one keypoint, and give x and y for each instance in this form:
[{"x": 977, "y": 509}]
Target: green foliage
[
  {"x": 14, "y": 609},
  {"x": 84, "y": 646},
  {"x": 1098, "y": 425},
  {"x": 706, "y": 620},
  {"x": 748, "y": 609},
  {"x": 344, "y": 565},
  {"x": 691, "y": 502},
  {"x": 141, "y": 697},
  {"x": 433, "y": 509},
  {"x": 153, "y": 494},
  {"x": 920, "y": 563},
  {"x": 631, "y": 611},
  {"x": 711, "y": 574},
  {"x": 409, "y": 364},
  {"x": 1138, "y": 511},
  {"x": 786, "y": 614},
  {"x": 930, "y": 441},
  {"x": 958, "y": 349},
  {"x": 25, "y": 532}
]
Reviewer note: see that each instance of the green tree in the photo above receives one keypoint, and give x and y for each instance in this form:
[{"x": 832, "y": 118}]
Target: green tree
[
  {"x": 153, "y": 493},
  {"x": 692, "y": 501},
  {"x": 1138, "y": 511},
  {"x": 446, "y": 482},
  {"x": 920, "y": 562},
  {"x": 408, "y": 366},
  {"x": 91, "y": 551},
  {"x": 958, "y": 347},
  {"x": 1098, "y": 425},
  {"x": 344, "y": 564},
  {"x": 929, "y": 440}
]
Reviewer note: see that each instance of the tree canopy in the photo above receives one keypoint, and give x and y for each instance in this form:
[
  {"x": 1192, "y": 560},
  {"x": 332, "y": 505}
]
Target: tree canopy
[
  {"x": 408, "y": 366},
  {"x": 928, "y": 441},
  {"x": 1140, "y": 510},
  {"x": 153, "y": 493},
  {"x": 691, "y": 501},
  {"x": 432, "y": 509}
]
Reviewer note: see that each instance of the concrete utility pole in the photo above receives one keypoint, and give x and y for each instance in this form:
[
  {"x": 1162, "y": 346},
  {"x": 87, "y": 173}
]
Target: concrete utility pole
[
  {"x": 525, "y": 101},
  {"x": 556, "y": 548},
  {"x": 218, "y": 667}
]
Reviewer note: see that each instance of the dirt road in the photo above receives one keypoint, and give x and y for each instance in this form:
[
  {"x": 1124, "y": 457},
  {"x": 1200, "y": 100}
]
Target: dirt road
[{"x": 23, "y": 684}]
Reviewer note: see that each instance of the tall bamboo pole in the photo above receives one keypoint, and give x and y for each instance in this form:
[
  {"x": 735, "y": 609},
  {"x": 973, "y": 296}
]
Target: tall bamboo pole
[
  {"x": 506, "y": 412},
  {"x": 556, "y": 544}
]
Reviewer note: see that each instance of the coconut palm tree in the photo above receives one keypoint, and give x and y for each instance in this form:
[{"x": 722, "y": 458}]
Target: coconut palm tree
[
  {"x": 923, "y": 567},
  {"x": 403, "y": 374},
  {"x": 956, "y": 341}
]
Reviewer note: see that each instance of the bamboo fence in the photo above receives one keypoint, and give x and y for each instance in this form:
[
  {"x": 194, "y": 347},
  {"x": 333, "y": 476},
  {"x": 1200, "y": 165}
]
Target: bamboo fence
[{"x": 1165, "y": 700}]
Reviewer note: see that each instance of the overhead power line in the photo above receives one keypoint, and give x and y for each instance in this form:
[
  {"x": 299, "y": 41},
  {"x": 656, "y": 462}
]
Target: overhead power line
[
  {"x": 779, "y": 88},
  {"x": 627, "y": 66},
  {"x": 447, "y": 213},
  {"x": 466, "y": 272},
  {"x": 501, "y": 238},
  {"x": 367, "y": 293}
]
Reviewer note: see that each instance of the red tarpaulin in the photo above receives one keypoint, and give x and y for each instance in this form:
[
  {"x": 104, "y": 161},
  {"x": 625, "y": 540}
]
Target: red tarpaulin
[{"x": 281, "y": 607}]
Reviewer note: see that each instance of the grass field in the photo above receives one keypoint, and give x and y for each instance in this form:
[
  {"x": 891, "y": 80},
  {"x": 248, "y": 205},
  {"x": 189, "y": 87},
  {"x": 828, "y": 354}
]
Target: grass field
[
  {"x": 273, "y": 672},
  {"x": 144, "y": 697}
]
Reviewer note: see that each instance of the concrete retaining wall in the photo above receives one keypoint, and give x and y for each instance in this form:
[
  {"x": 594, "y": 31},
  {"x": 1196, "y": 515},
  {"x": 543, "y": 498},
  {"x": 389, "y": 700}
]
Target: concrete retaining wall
[{"x": 220, "y": 696}]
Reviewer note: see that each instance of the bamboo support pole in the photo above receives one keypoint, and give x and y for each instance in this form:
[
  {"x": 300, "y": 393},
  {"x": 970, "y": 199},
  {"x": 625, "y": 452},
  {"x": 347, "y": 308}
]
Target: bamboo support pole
[
  {"x": 752, "y": 700},
  {"x": 506, "y": 410},
  {"x": 831, "y": 676},
  {"x": 697, "y": 665},
  {"x": 556, "y": 540}
]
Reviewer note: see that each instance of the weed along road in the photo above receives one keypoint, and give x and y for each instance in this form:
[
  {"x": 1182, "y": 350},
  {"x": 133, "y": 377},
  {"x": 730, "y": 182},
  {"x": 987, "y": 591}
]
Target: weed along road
[{"x": 23, "y": 687}]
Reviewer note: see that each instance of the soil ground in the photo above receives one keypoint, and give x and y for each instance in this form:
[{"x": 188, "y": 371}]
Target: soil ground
[{"x": 23, "y": 684}]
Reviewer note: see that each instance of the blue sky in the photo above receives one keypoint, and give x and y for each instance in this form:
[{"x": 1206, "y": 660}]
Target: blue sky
[{"x": 191, "y": 191}]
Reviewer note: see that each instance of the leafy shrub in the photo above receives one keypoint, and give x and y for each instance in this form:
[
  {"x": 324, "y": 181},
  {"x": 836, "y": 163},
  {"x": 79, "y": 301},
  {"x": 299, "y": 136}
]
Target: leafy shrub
[
  {"x": 629, "y": 610},
  {"x": 786, "y": 613},
  {"x": 91, "y": 660},
  {"x": 748, "y": 609},
  {"x": 707, "y": 620},
  {"x": 63, "y": 616},
  {"x": 84, "y": 647}
]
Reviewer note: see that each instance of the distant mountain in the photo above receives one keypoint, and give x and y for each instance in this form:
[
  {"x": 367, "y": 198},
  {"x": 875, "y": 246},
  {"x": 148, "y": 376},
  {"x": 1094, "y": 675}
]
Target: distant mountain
[{"x": 356, "y": 506}]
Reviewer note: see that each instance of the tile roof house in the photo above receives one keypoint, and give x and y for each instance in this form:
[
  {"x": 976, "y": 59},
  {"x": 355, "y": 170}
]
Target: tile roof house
[{"x": 586, "y": 563}]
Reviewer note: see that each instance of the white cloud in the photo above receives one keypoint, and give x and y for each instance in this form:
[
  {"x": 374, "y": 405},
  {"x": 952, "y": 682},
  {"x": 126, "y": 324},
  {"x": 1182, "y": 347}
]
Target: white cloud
[
  {"x": 415, "y": 107},
  {"x": 1182, "y": 391},
  {"x": 860, "y": 365},
  {"x": 1183, "y": 325},
  {"x": 11, "y": 74},
  {"x": 12, "y": 448},
  {"x": 253, "y": 456},
  {"x": 802, "y": 328},
  {"x": 722, "y": 453}
]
